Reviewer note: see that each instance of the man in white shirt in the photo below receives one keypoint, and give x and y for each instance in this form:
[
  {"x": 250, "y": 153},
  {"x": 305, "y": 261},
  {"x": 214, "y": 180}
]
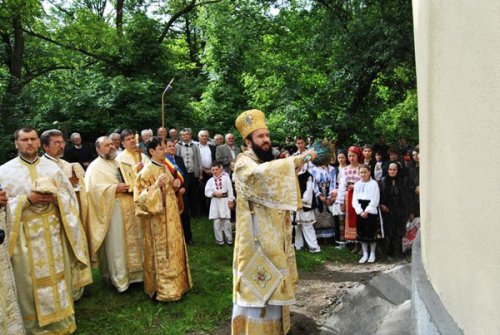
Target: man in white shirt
[
  {"x": 207, "y": 155},
  {"x": 190, "y": 153}
]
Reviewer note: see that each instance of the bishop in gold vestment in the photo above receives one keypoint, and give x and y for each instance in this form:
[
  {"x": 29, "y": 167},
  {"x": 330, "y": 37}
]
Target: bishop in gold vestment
[
  {"x": 46, "y": 240},
  {"x": 166, "y": 267},
  {"x": 114, "y": 233},
  {"x": 264, "y": 267}
]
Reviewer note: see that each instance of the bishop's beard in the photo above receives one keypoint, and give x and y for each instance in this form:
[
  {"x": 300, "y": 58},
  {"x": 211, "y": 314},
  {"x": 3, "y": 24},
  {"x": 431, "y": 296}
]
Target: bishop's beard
[{"x": 262, "y": 155}]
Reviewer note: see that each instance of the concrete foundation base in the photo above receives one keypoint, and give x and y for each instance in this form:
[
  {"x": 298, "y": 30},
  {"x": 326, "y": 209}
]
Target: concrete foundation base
[{"x": 429, "y": 315}]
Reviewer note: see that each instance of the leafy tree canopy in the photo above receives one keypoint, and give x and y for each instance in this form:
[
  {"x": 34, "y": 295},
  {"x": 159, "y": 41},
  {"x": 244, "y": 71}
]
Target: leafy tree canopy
[{"x": 342, "y": 70}]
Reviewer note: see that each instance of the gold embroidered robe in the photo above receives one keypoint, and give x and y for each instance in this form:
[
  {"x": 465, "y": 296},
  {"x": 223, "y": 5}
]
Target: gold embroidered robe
[
  {"x": 128, "y": 162},
  {"x": 166, "y": 265},
  {"x": 11, "y": 322},
  {"x": 47, "y": 245},
  {"x": 80, "y": 189},
  {"x": 113, "y": 228},
  {"x": 272, "y": 188},
  {"x": 81, "y": 195}
]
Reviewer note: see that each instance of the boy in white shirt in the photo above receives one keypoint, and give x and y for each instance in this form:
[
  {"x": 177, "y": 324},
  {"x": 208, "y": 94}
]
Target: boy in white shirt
[{"x": 220, "y": 190}]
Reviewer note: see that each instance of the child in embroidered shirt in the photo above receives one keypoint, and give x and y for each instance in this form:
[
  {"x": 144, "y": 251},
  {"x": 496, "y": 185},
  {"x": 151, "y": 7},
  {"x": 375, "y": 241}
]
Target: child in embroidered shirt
[
  {"x": 365, "y": 201},
  {"x": 220, "y": 189}
]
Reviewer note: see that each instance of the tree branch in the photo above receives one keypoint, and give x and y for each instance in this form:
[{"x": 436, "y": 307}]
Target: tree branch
[
  {"x": 61, "y": 9},
  {"x": 35, "y": 74},
  {"x": 98, "y": 57},
  {"x": 189, "y": 7}
]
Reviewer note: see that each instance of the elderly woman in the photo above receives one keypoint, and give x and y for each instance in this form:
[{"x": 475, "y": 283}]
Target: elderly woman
[{"x": 394, "y": 203}]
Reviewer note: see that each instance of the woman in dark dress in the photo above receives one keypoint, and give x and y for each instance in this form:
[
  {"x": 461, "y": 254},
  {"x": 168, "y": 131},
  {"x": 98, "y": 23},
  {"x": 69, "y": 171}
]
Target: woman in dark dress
[
  {"x": 394, "y": 201},
  {"x": 414, "y": 185}
]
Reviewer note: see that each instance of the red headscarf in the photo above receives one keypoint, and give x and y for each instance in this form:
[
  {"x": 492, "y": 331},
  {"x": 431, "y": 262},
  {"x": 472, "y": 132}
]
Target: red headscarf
[{"x": 359, "y": 152}]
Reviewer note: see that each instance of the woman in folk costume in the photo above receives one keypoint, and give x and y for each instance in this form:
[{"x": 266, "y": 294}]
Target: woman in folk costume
[
  {"x": 338, "y": 214},
  {"x": 220, "y": 189},
  {"x": 304, "y": 217},
  {"x": 365, "y": 201},
  {"x": 264, "y": 267},
  {"x": 325, "y": 181},
  {"x": 346, "y": 189}
]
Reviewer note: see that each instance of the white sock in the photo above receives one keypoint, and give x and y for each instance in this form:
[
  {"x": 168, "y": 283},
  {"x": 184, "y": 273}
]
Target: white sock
[
  {"x": 373, "y": 247},
  {"x": 364, "y": 246}
]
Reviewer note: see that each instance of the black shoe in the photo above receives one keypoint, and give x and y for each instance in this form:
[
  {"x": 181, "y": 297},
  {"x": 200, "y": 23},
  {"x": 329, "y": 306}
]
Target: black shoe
[{"x": 190, "y": 242}]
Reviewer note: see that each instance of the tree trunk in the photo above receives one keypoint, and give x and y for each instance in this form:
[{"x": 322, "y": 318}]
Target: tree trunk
[
  {"x": 16, "y": 58},
  {"x": 119, "y": 16}
]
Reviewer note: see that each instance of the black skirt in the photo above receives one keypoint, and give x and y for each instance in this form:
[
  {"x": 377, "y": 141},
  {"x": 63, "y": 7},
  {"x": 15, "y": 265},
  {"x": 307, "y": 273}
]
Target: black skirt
[{"x": 366, "y": 228}]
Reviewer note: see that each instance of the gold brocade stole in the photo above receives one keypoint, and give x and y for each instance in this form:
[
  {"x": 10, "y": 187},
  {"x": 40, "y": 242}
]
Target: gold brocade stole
[
  {"x": 45, "y": 251},
  {"x": 128, "y": 174},
  {"x": 132, "y": 232},
  {"x": 46, "y": 257}
]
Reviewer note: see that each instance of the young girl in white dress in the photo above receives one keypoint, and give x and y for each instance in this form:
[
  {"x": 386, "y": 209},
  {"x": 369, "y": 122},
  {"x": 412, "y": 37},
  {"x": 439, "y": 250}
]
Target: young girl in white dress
[{"x": 365, "y": 202}]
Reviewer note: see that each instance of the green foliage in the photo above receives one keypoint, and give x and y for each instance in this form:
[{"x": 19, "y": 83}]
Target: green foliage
[
  {"x": 400, "y": 120},
  {"x": 335, "y": 69}
]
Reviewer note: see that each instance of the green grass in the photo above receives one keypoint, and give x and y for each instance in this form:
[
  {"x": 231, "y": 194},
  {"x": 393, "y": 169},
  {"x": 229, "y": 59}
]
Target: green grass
[{"x": 206, "y": 307}]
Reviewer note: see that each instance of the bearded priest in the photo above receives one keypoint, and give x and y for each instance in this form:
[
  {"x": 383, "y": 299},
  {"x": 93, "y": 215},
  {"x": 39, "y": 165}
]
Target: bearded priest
[
  {"x": 264, "y": 267},
  {"x": 115, "y": 235}
]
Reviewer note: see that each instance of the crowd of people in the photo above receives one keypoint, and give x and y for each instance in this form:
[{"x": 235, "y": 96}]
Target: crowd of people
[
  {"x": 125, "y": 205},
  {"x": 363, "y": 194}
]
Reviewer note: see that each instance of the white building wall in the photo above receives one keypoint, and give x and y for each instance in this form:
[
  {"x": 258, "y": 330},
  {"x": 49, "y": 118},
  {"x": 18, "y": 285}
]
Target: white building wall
[{"x": 458, "y": 70}]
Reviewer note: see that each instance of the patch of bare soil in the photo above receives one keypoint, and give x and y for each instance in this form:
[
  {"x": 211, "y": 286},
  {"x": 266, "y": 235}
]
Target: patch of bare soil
[{"x": 319, "y": 291}]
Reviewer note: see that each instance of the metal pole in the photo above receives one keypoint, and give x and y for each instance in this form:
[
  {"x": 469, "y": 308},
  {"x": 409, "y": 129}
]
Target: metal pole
[{"x": 167, "y": 88}]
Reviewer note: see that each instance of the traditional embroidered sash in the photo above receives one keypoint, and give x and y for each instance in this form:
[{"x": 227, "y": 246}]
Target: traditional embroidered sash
[{"x": 174, "y": 169}]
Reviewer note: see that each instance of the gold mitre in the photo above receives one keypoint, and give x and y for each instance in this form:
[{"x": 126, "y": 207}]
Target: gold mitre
[{"x": 249, "y": 121}]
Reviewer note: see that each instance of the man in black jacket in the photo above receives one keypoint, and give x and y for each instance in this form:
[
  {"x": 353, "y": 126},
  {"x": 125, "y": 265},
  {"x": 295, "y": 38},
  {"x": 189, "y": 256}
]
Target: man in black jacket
[{"x": 82, "y": 153}]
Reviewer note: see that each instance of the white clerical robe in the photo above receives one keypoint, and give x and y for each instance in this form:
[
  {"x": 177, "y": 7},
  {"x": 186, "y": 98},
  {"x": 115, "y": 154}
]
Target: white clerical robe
[
  {"x": 46, "y": 244},
  {"x": 115, "y": 235}
]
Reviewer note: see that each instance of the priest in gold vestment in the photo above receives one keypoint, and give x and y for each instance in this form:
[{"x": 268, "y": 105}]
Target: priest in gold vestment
[
  {"x": 264, "y": 268},
  {"x": 11, "y": 322},
  {"x": 47, "y": 244},
  {"x": 53, "y": 146},
  {"x": 115, "y": 235},
  {"x": 131, "y": 159},
  {"x": 166, "y": 266}
]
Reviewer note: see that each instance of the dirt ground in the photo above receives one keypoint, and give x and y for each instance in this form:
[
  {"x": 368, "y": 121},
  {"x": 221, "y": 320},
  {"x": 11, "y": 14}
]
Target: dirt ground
[{"x": 319, "y": 291}]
